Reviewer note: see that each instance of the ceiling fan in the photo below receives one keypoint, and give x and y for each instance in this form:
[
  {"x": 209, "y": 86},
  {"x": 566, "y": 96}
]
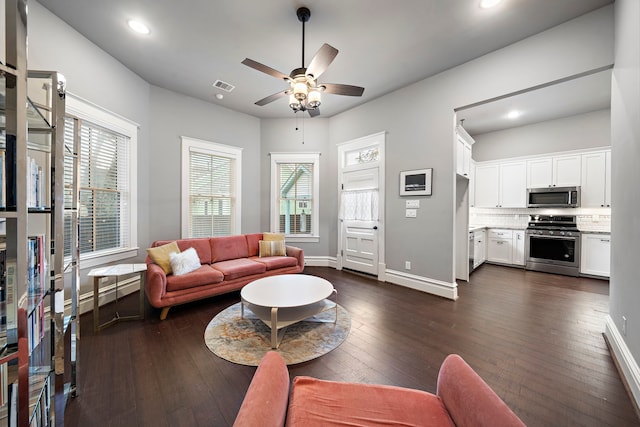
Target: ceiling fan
[{"x": 304, "y": 90}]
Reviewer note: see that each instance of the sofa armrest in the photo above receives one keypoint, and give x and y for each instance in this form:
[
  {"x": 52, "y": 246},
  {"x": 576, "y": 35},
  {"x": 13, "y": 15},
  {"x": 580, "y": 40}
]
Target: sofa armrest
[
  {"x": 265, "y": 404},
  {"x": 469, "y": 400},
  {"x": 155, "y": 284},
  {"x": 296, "y": 253}
]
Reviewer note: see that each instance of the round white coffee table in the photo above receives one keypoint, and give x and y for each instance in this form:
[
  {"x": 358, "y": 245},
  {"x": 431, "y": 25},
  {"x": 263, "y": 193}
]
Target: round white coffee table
[{"x": 282, "y": 300}]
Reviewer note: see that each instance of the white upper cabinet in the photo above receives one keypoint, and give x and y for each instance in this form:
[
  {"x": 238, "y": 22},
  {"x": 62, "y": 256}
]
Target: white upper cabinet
[
  {"x": 501, "y": 185},
  {"x": 513, "y": 185},
  {"x": 557, "y": 171},
  {"x": 487, "y": 186},
  {"x": 596, "y": 180},
  {"x": 463, "y": 152}
]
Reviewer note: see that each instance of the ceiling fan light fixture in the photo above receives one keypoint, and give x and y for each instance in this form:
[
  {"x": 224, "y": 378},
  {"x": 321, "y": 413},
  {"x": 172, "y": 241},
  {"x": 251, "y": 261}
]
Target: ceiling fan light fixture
[
  {"x": 294, "y": 103},
  {"x": 313, "y": 100},
  {"x": 300, "y": 90}
]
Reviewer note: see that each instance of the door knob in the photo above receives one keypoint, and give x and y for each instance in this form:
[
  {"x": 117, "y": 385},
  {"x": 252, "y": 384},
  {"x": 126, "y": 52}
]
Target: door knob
[{"x": 375, "y": 227}]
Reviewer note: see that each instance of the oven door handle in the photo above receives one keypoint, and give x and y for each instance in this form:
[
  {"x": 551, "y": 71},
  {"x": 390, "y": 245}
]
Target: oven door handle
[{"x": 539, "y": 236}]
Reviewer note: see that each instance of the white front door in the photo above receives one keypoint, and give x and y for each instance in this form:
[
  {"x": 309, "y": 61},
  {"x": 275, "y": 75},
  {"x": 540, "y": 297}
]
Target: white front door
[{"x": 359, "y": 219}]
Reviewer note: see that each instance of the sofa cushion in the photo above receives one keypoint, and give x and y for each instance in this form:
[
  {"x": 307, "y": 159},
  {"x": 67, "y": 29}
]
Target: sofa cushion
[
  {"x": 252, "y": 243},
  {"x": 200, "y": 244},
  {"x": 276, "y": 262},
  {"x": 234, "y": 268},
  {"x": 204, "y": 275},
  {"x": 228, "y": 247},
  {"x": 315, "y": 402},
  {"x": 184, "y": 262},
  {"x": 161, "y": 254},
  {"x": 272, "y": 248}
]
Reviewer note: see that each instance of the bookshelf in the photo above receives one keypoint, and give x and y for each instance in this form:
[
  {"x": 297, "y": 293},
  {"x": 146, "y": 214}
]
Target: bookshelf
[{"x": 33, "y": 153}]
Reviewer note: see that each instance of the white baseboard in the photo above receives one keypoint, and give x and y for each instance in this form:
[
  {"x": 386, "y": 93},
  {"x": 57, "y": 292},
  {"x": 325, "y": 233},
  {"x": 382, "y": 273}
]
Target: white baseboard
[
  {"x": 626, "y": 362},
  {"x": 320, "y": 261},
  {"x": 424, "y": 284}
]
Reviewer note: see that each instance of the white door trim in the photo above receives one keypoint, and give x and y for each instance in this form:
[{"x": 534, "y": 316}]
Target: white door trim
[{"x": 376, "y": 139}]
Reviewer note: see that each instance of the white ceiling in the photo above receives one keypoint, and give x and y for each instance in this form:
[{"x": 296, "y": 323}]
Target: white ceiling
[
  {"x": 384, "y": 45},
  {"x": 567, "y": 98}
]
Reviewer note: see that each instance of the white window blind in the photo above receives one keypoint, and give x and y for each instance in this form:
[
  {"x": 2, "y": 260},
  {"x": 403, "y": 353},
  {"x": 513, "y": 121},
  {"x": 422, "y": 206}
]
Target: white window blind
[
  {"x": 295, "y": 197},
  {"x": 295, "y": 194},
  {"x": 104, "y": 209},
  {"x": 211, "y": 186}
]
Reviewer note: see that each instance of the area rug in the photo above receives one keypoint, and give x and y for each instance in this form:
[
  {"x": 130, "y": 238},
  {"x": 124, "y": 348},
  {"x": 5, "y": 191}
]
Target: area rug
[{"x": 246, "y": 341}]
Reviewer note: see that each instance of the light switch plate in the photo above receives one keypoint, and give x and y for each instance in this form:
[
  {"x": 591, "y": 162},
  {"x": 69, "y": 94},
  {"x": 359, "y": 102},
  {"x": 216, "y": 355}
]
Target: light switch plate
[
  {"x": 411, "y": 213},
  {"x": 412, "y": 204}
]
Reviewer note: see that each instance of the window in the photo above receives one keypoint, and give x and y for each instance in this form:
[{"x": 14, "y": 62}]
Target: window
[
  {"x": 210, "y": 189},
  {"x": 107, "y": 184},
  {"x": 294, "y": 190}
]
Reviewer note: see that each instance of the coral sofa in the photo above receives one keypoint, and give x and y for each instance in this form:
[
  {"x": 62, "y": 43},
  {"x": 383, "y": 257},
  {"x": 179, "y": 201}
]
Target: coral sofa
[
  {"x": 463, "y": 399},
  {"x": 226, "y": 264}
]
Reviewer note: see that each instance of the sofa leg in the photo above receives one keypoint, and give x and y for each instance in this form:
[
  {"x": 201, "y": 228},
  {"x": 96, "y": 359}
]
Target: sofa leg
[{"x": 163, "y": 314}]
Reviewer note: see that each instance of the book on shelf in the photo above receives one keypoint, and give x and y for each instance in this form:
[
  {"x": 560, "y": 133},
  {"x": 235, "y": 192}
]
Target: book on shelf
[
  {"x": 3, "y": 199},
  {"x": 3, "y": 296}
]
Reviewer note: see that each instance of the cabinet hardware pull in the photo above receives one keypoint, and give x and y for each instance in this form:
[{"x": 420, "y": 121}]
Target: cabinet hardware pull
[{"x": 604, "y": 240}]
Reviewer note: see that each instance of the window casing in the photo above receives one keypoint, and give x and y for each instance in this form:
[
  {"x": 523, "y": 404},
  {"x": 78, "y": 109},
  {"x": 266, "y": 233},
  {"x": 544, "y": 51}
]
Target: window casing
[
  {"x": 107, "y": 183},
  {"x": 211, "y": 183},
  {"x": 295, "y": 195}
]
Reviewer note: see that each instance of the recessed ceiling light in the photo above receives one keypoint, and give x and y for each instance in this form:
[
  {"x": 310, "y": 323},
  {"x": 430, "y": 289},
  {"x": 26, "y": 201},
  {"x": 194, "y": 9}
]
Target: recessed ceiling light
[
  {"x": 486, "y": 4},
  {"x": 138, "y": 26},
  {"x": 513, "y": 114}
]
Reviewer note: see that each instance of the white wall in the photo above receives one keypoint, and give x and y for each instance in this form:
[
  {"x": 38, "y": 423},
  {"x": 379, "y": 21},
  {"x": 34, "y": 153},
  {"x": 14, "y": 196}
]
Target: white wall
[
  {"x": 582, "y": 131},
  {"x": 625, "y": 221},
  {"x": 419, "y": 124}
]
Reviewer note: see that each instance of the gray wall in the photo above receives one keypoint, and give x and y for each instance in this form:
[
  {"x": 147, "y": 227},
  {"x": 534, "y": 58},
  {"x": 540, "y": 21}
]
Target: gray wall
[
  {"x": 625, "y": 141},
  {"x": 582, "y": 131},
  {"x": 420, "y": 128},
  {"x": 172, "y": 116},
  {"x": 281, "y": 136}
]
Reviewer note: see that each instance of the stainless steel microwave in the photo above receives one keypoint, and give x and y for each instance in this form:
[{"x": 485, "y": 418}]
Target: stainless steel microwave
[{"x": 553, "y": 197}]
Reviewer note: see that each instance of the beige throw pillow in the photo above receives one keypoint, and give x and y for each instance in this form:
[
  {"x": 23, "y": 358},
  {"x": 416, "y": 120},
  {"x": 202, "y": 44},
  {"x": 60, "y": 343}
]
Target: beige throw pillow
[
  {"x": 161, "y": 255},
  {"x": 271, "y": 237},
  {"x": 272, "y": 248}
]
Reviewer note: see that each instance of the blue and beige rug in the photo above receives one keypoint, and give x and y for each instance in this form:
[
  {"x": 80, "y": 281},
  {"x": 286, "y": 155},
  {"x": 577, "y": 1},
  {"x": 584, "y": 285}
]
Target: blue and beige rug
[{"x": 246, "y": 341}]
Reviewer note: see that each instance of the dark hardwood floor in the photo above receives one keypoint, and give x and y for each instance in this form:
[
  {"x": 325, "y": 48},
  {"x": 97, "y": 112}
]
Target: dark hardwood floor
[{"x": 535, "y": 338}]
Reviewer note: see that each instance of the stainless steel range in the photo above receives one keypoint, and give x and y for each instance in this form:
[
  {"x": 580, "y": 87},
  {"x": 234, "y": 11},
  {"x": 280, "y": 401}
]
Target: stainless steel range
[{"x": 552, "y": 244}]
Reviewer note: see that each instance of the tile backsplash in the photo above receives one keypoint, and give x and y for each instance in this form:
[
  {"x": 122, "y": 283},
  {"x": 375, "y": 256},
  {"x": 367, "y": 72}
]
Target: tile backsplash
[{"x": 588, "y": 219}]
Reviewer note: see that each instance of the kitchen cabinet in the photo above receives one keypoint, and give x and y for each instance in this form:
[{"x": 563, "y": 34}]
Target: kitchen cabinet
[
  {"x": 479, "y": 247},
  {"x": 501, "y": 185},
  {"x": 595, "y": 254},
  {"x": 596, "y": 179},
  {"x": 517, "y": 257},
  {"x": 513, "y": 185},
  {"x": 555, "y": 171},
  {"x": 487, "y": 186},
  {"x": 500, "y": 246},
  {"x": 472, "y": 184},
  {"x": 463, "y": 152}
]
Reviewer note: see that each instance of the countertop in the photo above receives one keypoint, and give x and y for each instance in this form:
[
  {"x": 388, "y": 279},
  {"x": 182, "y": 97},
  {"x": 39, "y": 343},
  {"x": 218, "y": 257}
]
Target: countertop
[{"x": 476, "y": 227}]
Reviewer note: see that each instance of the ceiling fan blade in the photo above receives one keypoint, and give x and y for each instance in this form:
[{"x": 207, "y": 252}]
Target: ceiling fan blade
[
  {"x": 267, "y": 70},
  {"x": 319, "y": 63},
  {"x": 315, "y": 112},
  {"x": 271, "y": 98},
  {"x": 340, "y": 89}
]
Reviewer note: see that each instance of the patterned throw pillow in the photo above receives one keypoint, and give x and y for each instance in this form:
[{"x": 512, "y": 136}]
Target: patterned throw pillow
[
  {"x": 270, "y": 237},
  {"x": 272, "y": 248},
  {"x": 184, "y": 262},
  {"x": 160, "y": 255}
]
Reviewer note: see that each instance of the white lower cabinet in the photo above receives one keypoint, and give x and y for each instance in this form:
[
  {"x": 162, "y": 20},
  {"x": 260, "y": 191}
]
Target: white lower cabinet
[
  {"x": 595, "y": 254},
  {"x": 479, "y": 247},
  {"x": 500, "y": 246},
  {"x": 518, "y": 247}
]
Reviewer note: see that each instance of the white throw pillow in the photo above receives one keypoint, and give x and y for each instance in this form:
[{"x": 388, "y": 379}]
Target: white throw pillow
[{"x": 184, "y": 262}]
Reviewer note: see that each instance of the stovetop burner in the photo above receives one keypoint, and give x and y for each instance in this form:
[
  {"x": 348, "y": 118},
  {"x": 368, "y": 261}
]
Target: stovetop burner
[{"x": 552, "y": 222}]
